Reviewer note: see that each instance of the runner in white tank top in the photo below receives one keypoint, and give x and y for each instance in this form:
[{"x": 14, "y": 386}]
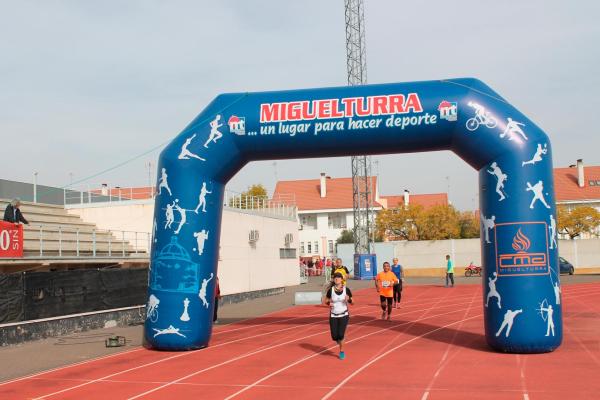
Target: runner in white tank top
[{"x": 338, "y": 297}]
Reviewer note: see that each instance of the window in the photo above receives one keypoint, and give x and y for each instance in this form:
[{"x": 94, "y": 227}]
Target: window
[
  {"x": 316, "y": 247},
  {"x": 336, "y": 220},
  {"x": 308, "y": 221},
  {"x": 301, "y": 247},
  {"x": 308, "y": 249},
  {"x": 330, "y": 244},
  {"x": 287, "y": 253}
]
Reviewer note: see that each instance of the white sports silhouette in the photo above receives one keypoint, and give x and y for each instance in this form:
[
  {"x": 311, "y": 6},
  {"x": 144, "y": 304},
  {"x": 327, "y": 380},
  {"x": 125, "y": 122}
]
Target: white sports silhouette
[
  {"x": 537, "y": 157},
  {"x": 538, "y": 194},
  {"x": 152, "y": 306},
  {"x": 214, "y": 131},
  {"x": 549, "y": 318},
  {"x": 202, "y": 293},
  {"x": 487, "y": 225},
  {"x": 185, "y": 153},
  {"x": 557, "y": 292},
  {"x": 170, "y": 330},
  {"x": 512, "y": 129},
  {"x": 200, "y": 239},
  {"x": 501, "y": 178},
  {"x": 169, "y": 216},
  {"x": 509, "y": 318},
  {"x": 182, "y": 212},
  {"x": 552, "y": 229},
  {"x": 202, "y": 198},
  {"x": 163, "y": 182},
  {"x": 493, "y": 292}
]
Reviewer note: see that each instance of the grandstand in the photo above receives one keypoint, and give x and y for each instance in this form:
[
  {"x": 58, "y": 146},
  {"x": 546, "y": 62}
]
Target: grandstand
[{"x": 55, "y": 239}]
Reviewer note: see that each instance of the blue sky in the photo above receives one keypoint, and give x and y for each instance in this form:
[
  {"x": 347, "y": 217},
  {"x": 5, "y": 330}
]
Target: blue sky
[{"x": 85, "y": 86}]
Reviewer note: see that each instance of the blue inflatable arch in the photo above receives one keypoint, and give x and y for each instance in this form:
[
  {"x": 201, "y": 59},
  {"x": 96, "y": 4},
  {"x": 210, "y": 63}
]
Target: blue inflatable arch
[{"x": 521, "y": 293}]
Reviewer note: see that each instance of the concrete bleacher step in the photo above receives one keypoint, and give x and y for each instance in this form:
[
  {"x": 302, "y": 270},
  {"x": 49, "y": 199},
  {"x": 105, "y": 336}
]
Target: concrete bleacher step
[
  {"x": 55, "y": 219},
  {"x": 62, "y": 231}
]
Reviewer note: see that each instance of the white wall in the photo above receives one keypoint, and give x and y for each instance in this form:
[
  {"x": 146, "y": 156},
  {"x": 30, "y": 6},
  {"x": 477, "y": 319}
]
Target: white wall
[
  {"x": 242, "y": 267},
  {"x": 582, "y": 254}
]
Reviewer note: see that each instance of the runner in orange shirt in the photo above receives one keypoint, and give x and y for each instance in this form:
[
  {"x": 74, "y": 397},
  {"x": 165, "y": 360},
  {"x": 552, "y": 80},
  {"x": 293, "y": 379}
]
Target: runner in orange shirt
[{"x": 384, "y": 282}]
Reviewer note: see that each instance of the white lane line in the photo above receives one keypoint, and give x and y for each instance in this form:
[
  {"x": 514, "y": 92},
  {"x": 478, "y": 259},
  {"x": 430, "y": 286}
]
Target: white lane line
[
  {"x": 69, "y": 366},
  {"x": 521, "y": 366},
  {"x": 191, "y": 352},
  {"x": 269, "y": 376},
  {"x": 434, "y": 305},
  {"x": 176, "y": 356},
  {"x": 170, "y": 358},
  {"x": 445, "y": 361},
  {"x": 352, "y": 375},
  {"x": 260, "y": 351}
]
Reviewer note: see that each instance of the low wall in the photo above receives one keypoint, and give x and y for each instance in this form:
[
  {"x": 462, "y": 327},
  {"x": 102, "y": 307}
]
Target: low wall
[
  {"x": 20, "y": 332},
  {"x": 427, "y": 258}
]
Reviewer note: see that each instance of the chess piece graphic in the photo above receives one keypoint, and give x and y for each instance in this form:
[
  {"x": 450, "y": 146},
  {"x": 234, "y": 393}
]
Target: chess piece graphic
[{"x": 185, "y": 317}]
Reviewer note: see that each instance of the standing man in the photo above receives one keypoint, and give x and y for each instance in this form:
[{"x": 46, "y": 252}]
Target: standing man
[
  {"x": 13, "y": 213},
  {"x": 341, "y": 269},
  {"x": 384, "y": 282},
  {"x": 217, "y": 298},
  {"x": 449, "y": 270},
  {"x": 397, "y": 270}
]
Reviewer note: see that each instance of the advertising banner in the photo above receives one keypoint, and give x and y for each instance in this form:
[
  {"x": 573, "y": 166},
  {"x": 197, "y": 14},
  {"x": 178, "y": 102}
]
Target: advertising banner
[{"x": 11, "y": 240}]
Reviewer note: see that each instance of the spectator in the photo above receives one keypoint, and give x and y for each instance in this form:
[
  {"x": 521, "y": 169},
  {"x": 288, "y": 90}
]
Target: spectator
[
  {"x": 449, "y": 270},
  {"x": 342, "y": 270},
  {"x": 217, "y": 298},
  {"x": 13, "y": 213}
]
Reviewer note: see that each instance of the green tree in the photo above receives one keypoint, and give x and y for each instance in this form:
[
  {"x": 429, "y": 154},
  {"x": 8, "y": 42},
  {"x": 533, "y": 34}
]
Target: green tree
[
  {"x": 254, "y": 197},
  {"x": 400, "y": 223},
  {"x": 578, "y": 220},
  {"x": 345, "y": 237},
  {"x": 469, "y": 225},
  {"x": 440, "y": 222}
]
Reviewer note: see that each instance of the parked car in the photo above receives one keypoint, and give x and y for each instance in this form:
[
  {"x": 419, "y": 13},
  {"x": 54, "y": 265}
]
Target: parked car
[{"x": 565, "y": 266}]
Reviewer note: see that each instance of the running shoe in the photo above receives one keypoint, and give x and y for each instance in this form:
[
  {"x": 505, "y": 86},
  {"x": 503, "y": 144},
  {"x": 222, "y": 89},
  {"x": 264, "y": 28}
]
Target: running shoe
[
  {"x": 389, "y": 317},
  {"x": 383, "y": 315},
  {"x": 342, "y": 355}
]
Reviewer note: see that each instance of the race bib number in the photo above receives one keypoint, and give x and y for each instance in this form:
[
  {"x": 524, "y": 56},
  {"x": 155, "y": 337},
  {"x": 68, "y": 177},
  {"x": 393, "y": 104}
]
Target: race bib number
[{"x": 386, "y": 284}]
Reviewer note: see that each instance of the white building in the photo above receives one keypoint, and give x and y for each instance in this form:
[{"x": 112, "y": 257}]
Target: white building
[
  {"x": 577, "y": 186},
  {"x": 325, "y": 209}
]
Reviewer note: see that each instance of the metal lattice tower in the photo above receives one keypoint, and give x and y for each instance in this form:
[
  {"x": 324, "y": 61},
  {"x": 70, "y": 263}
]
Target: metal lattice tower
[{"x": 356, "y": 65}]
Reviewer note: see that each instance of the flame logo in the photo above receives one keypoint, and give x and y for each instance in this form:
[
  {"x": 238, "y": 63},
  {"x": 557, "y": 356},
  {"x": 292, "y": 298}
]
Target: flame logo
[{"x": 521, "y": 242}]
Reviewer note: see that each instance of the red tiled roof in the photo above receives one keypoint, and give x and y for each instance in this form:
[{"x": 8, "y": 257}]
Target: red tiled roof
[
  {"x": 567, "y": 188},
  {"x": 425, "y": 200},
  {"x": 128, "y": 193},
  {"x": 308, "y": 193},
  {"x": 339, "y": 195}
]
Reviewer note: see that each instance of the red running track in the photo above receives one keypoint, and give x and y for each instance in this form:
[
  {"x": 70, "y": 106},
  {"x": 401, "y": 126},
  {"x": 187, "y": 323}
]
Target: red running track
[{"x": 433, "y": 348}]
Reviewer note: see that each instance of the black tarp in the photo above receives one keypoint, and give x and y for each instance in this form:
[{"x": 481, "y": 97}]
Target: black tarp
[
  {"x": 11, "y": 298},
  {"x": 123, "y": 287},
  {"x": 35, "y": 295}
]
